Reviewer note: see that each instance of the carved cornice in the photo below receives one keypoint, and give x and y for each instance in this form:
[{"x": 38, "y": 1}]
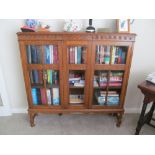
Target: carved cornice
[
  {"x": 35, "y": 36},
  {"x": 114, "y": 37}
]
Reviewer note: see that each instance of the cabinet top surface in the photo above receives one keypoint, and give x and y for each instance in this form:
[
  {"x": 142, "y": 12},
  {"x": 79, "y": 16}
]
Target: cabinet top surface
[{"x": 73, "y": 33}]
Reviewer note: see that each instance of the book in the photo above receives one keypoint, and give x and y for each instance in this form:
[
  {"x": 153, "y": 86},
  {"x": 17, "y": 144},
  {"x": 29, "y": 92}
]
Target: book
[
  {"x": 55, "y": 92},
  {"x": 48, "y": 92},
  {"x": 55, "y": 54},
  {"x": 49, "y": 76},
  {"x": 101, "y": 54},
  {"x": 35, "y": 76},
  {"x": 76, "y": 98},
  {"x": 28, "y": 52},
  {"x": 55, "y": 77},
  {"x": 79, "y": 55},
  {"x": 34, "y": 96},
  {"x": 83, "y": 55},
  {"x": 39, "y": 96},
  {"x": 97, "y": 54},
  {"x": 51, "y": 54},
  {"x": 40, "y": 76},
  {"x": 33, "y": 54},
  {"x": 75, "y": 51},
  {"x": 43, "y": 95},
  {"x": 39, "y": 54}
]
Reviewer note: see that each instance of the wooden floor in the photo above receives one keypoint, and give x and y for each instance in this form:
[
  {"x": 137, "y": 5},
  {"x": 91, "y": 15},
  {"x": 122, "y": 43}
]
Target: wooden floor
[{"x": 77, "y": 124}]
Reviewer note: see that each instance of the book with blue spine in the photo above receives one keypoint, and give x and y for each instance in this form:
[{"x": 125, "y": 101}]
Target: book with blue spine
[
  {"x": 33, "y": 54},
  {"x": 55, "y": 92},
  {"x": 79, "y": 55},
  {"x": 34, "y": 96},
  {"x": 47, "y": 54},
  {"x": 35, "y": 76}
]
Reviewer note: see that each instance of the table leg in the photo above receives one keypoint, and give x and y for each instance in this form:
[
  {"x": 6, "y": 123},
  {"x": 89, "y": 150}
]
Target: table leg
[{"x": 141, "y": 119}]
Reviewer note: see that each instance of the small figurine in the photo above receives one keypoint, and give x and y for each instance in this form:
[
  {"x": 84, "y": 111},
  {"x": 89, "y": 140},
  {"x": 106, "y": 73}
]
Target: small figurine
[
  {"x": 43, "y": 27},
  {"x": 71, "y": 26},
  {"x": 30, "y": 25}
]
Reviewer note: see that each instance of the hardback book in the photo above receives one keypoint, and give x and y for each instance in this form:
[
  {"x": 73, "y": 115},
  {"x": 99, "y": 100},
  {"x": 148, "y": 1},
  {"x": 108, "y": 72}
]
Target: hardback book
[
  {"x": 55, "y": 54},
  {"x": 56, "y": 99},
  {"x": 83, "y": 55},
  {"x": 76, "y": 99},
  {"x": 101, "y": 54},
  {"x": 43, "y": 95},
  {"x": 33, "y": 54},
  {"x": 39, "y": 96},
  {"x": 35, "y": 76},
  {"x": 51, "y": 54},
  {"x": 48, "y": 92},
  {"x": 97, "y": 54},
  {"x": 28, "y": 52},
  {"x": 39, "y": 54},
  {"x": 75, "y": 51},
  {"x": 79, "y": 55},
  {"x": 34, "y": 96},
  {"x": 49, "y": 76}
]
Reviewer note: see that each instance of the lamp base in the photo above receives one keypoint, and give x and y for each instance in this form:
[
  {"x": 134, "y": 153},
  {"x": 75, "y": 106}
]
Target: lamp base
[{"x": 90, "y": 29}]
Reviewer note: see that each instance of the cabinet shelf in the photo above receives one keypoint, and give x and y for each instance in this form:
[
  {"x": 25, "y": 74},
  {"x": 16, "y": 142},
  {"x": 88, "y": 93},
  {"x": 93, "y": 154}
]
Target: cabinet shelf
[{"x": 109, "y": 67}]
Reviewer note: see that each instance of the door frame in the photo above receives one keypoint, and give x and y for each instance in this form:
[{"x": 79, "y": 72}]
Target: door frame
[{"x": 5, "y": 108}]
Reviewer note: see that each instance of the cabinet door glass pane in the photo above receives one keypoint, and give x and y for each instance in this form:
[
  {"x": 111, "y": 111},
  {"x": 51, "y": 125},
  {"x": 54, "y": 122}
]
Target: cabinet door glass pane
[
  {"x": 76, "y": 87},
  {"x": 34, "y": 54},
  {"x": 50, "y": 54},
  {"x": 111, "y": 54},
  {"x": 107, "y": 87},
  {"x": 45, "y": 92},
  {"x": 52, "y": 85},
  {"x": 76, "y": 55}
]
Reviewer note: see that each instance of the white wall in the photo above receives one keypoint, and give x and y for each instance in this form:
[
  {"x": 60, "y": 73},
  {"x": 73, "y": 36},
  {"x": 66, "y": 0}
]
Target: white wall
[{"x": 142, "y": 64}]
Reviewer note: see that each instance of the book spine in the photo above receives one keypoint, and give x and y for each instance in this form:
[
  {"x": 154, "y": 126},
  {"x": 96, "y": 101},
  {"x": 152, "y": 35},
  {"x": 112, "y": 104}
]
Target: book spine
[
  {"x": 33, "y": 54},
  {"x": 123, "y": 57},
  {"x": 51, "y": 76},
  {"x": 34, "y": 96},
  {"x": 79, "y": 55},
  {"x": 97, "y": 54},
  {"x": 55, "y": 92},
  {"x": 47, "y": 54},
  {"x": 31, "y": 77},
  {"x": 39, "y": 55},
  {"x": 28, "y": 51},
  {"x": 43, "y": 95},
  {"x": 73, "y": 55},
  {"x": 83, "y": 55},
  {"x": 51, "y": 51},
  {"x": 39, "y": 96},
  {"x": 49, "y": 101},
  {"x": 70, "y": 55},
  {"x": 40, "y": 74},
  {"x": 55, "y": 54},
  {"x": 55, "y": 77},
  {"x": 36, "y": 76},
  {"x": 75, "y": 48}
]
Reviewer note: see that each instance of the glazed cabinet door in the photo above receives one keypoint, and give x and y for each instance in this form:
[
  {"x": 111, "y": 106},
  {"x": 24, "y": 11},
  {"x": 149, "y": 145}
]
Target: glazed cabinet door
[
  {"x": 109, "y": 74},
  {"x": 76, "y": 60},
  {"x": 42, "y": 67}
]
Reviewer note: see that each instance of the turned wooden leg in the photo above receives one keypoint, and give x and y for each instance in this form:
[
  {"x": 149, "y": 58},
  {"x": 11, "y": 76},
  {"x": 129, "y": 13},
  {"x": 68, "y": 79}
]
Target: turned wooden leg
[
  {"x": 32, "y": 116},
  {"x": 119, "y": 119},
  {"x": 151, "y": 112}
]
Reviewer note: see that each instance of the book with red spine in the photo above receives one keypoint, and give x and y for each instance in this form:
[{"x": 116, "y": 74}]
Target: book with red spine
[
  {"x": 55, "y": 54},
  {"x": 43, "y": 95},
  {"x": 73, "y": 55}
]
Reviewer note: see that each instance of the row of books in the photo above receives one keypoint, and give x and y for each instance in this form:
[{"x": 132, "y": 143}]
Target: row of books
[
  {"x": 76, "y": 98},
  {"x": 76, "y": 79},
  {"x": 34, "y": 54},
  {"x": 36, "y": 77},
  {"x": 39, "y": 96},
  {"x": 112, "y": 97},
  {"x": 115, "y": 79},
  {"x": 118, "y": 54},
  {"x": 77, "y": 55},
  {"x": 51, "y": 54}
]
